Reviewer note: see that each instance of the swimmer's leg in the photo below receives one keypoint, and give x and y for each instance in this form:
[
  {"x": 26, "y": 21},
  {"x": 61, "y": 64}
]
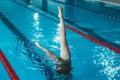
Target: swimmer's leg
[{"x": 64, "y": 52}]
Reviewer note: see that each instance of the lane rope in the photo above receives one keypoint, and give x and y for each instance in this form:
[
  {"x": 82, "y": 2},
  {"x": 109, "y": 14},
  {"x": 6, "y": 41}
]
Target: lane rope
[
  {"x": 95, "y": 40},
  {"x": 8, "y": 67}
]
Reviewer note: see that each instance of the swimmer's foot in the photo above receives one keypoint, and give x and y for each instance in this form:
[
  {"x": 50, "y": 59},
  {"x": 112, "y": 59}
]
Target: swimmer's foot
[{"x": 60, "y": 10}]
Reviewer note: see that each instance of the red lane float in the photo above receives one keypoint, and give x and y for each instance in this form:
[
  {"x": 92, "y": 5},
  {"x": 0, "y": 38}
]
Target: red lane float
[
  {"x": 8, "y": 67},
  {"x": 95, "y": 40}
]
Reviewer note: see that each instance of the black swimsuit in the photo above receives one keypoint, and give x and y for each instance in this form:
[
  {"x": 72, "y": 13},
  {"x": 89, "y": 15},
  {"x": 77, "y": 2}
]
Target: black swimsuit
[{"x": 63, "y": 66}]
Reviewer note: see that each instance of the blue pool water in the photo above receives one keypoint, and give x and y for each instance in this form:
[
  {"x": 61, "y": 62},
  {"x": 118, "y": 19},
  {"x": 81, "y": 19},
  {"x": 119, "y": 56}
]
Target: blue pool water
[{"x": 20, "y": 27}]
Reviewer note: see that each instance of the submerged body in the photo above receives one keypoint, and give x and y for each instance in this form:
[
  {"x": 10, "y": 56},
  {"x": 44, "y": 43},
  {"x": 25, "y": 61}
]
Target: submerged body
[{"x": 63, "y": 64}]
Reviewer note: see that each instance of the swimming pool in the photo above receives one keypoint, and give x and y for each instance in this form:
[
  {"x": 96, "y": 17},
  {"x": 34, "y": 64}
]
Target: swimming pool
[{"x": 20, "y": 26}]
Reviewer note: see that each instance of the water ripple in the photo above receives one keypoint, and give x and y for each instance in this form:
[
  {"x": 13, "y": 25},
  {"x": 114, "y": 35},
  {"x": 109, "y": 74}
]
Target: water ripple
[{"x": 108, "y": 62}]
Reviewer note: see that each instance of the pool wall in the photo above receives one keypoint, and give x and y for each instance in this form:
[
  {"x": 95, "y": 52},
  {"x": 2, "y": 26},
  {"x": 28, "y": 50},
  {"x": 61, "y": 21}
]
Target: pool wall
[{"x": 95, "y": 5}]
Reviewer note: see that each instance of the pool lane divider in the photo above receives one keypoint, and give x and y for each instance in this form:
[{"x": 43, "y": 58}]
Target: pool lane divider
[
  {"x": 95, "y": 40},
  {"x": 115, "y": 49},
  {"x": 8, "y": 67}
]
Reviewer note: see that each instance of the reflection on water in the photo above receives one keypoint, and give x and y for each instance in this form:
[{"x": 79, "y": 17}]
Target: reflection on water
[
  {"x": 36, "y": 21},
  {"x": 56, "y": 39},
  {"x": 117, "y": 42},
  {"x": 36, "y": 25},
  {"x": 109, "y": 62}
]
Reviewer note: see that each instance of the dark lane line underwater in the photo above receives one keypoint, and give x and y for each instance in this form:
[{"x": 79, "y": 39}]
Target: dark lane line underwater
[
  {"x": 28, "y": 44},
  {"x": 97, "y": 39}
]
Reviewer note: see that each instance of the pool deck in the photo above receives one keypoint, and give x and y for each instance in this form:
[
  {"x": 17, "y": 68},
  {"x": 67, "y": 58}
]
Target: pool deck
[
  {"x": 116, "y": 2},
  {"x": 112, "y": 1}
]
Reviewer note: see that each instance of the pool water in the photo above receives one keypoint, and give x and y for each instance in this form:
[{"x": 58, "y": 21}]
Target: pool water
[{"x": 21, "y": 26}]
